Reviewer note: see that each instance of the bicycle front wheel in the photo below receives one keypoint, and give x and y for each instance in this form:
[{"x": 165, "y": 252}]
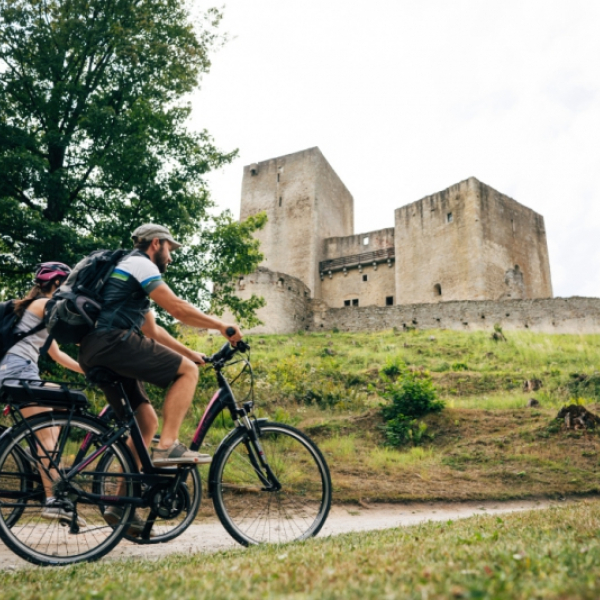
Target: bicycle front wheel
[
  {"x": 73, "y": 528},
  {"x": 254, "y": 512}
]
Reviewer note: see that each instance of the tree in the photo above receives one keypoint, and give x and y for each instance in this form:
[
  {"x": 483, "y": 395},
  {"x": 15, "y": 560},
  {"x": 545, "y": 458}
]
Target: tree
[{"x": 93, "y": 140}]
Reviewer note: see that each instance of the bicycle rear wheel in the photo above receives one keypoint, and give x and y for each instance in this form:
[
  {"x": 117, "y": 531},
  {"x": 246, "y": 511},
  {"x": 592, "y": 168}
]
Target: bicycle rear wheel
[
  {"x": 74, "y": 529},
  {"x": 18, "y": 480},
  {"x": 253, "y": 512}
]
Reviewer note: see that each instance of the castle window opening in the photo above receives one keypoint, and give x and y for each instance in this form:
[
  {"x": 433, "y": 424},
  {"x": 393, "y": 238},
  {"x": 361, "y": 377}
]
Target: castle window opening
[
  {"x": 366, "y": 240},
  {"x": 355, "y": 302},
  {"x": 279, "y": 200},
  {"x": 277, "y": 177},
  {"x": 365, "y": 277},
  {"x": 437, "y": 290},
  {"x": 449, "y": 217},
  {"x": 389, "y": 301},
  {"x": 280, "y": 282},
  {"x": 346, "y": 302}
]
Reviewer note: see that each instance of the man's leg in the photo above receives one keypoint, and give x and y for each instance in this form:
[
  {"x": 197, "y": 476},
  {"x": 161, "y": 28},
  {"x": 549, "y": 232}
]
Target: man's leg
[
  {"x": 178, "y": 400},
  {"x": 146, "y": 418}
]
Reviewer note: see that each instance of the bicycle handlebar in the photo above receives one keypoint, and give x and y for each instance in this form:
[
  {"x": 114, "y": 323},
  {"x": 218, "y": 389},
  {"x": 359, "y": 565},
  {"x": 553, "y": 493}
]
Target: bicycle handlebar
[{"x": 227, "y": 351}]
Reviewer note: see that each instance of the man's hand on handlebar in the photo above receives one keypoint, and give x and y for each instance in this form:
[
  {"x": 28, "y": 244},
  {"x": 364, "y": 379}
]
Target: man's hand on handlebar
[
  {"x": 198, "y": 358},
  {"x": 232, "y": 333}
]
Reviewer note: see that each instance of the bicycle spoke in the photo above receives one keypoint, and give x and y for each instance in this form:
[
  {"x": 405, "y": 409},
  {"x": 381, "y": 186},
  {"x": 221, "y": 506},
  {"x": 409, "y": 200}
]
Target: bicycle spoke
[{"x": 255, "y": 513}]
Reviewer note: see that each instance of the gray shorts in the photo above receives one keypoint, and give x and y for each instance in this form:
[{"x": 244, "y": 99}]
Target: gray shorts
[{"x": 17, "y": 367}]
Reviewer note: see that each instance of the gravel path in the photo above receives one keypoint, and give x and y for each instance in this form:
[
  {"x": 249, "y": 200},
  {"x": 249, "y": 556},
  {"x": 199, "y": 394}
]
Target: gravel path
[{"x": 211, "y": 537}]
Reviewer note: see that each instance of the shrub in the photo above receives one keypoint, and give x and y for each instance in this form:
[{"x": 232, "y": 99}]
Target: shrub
[
  {"x": 584, "y": 385},
  {"x": 410, "y": 397}
]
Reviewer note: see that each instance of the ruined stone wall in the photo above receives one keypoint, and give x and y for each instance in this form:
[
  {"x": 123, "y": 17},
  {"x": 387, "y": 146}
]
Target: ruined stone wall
[
  {"x": 515, "y": 251},
  {"x": 469, "y": 242},
  {"x": 336, "y": 247},
  {"x": 438, "y": 248},
  {"x": 288, "y": 307},
  {"x": 358, "y": 269},
  {"x": 551, "y": 315},
  {"x": 305, "y": 202},
  {"x": 365, "y": 287}
]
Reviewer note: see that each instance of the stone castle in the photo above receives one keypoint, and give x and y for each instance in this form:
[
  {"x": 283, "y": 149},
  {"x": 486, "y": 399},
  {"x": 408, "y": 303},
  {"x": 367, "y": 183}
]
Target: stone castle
[{"x": 464, "y": 246}]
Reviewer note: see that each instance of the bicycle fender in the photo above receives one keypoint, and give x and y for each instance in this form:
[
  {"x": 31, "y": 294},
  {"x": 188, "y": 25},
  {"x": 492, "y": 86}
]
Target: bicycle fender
[{"x": 224, "y": 442}]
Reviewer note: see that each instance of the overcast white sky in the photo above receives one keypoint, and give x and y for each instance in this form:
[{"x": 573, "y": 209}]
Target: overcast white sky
[{"x": 407, "y": 97}]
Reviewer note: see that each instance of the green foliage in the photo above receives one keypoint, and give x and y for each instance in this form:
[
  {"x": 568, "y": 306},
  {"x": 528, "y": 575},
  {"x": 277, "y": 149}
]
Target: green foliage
[
  {"x": 410, "y": 397},
  {"x": 583, "y": 385},
  {"x": 459, "y": 366},
  {"x": 94, "y": 141}
]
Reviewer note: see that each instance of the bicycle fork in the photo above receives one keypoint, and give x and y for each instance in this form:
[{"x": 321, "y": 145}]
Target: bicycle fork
[{"x": 257, "y": 457}]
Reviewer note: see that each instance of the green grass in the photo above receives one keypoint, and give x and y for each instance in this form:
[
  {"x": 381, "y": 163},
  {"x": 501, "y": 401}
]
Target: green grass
[
  {"x": 542, "y": 554},
  {"x": 485, "y": 444}
]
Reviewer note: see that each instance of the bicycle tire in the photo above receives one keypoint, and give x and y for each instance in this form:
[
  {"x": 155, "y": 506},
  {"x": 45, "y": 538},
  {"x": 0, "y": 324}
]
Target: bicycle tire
[
  {"x": 17, "y": 479},
  {"x": 165, "y": 529},
  {"x": 44, "y": 540},
  {"x": 253, "y": 515}
]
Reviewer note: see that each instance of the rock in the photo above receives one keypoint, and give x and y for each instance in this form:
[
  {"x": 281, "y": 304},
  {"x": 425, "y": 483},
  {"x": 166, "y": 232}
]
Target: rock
[
  {"x": 576, "y": 416},
  {"x": 532, "y": 385},
  {"x": 532, "y": 402}
]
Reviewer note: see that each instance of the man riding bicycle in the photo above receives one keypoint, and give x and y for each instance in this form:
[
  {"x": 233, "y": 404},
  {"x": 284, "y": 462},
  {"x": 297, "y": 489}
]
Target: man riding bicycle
[{"x": 128, "y": 341}]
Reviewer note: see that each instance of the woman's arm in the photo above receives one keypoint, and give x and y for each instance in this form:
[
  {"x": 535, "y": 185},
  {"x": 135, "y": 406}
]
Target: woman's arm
[{"x": 63, "y": 359}]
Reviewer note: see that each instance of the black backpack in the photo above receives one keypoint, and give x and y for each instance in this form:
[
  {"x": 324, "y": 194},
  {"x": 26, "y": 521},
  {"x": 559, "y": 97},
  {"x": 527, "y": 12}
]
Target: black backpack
[
  {"x": 8, "y": 323},
  {"x": 72, "y": 311}
]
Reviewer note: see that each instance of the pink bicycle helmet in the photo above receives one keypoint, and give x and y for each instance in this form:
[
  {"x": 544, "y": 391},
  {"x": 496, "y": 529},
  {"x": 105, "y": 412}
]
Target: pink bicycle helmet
[{"x": 52, "y": 270}]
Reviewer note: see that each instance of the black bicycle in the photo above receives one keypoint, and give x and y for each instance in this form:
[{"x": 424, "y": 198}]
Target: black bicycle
[{"x": 268, "y": 481}]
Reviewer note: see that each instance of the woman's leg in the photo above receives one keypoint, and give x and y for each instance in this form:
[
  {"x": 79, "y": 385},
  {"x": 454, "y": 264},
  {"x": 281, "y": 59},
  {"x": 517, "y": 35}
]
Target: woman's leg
[{"x": 47, "y": 437}]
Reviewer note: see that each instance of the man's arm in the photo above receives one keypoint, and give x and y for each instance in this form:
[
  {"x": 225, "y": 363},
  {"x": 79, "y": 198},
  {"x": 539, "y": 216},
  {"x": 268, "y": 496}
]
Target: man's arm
[
  {"x": 183, "y": 311},
  {"x": 153, "y": 330}
]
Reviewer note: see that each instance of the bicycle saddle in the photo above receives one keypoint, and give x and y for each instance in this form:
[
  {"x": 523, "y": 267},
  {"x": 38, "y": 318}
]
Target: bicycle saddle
[{"x": 103, "y": 376}]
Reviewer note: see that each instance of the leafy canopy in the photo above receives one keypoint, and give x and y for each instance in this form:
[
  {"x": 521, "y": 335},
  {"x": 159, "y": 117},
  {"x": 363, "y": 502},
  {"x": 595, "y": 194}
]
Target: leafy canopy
[{"x": 94, "y": 140}]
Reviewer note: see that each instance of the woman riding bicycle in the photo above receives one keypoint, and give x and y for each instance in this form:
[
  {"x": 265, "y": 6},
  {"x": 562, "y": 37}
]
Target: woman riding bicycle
[{"x": 21, "y": 361}]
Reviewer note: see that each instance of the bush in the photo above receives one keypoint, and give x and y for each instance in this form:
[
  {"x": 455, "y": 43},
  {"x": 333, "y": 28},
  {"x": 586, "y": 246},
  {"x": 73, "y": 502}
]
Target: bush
[
  {"x": 410, "y": 397},
  {"x": 584, "y": 385}
]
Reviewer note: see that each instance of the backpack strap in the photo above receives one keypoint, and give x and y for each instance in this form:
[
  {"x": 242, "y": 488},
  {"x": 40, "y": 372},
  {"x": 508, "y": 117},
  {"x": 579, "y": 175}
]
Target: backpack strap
[
  {"x": 46, "y": 345},
  {"x": 21, "y": 335}
]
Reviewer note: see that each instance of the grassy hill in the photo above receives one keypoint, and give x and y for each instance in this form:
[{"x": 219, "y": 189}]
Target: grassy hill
[{"x": 486, "y": 443}]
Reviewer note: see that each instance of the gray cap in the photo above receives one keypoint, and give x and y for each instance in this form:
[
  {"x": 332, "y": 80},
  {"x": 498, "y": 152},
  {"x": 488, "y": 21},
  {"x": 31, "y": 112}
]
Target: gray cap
[{"x": 149, "y": 231}]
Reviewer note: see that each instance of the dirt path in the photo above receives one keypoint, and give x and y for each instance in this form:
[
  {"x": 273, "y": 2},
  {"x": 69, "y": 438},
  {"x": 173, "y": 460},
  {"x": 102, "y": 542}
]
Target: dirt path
[{"x": 210, "y": 535}]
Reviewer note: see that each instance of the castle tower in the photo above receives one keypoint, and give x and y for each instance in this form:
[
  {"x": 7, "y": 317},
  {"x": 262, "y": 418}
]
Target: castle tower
[
  {"x": 305, "y": 202},
  {"x": 470, "y": 242}
]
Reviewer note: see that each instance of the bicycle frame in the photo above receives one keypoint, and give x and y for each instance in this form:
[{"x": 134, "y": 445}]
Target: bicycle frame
[{"x": 223, "y": 399}]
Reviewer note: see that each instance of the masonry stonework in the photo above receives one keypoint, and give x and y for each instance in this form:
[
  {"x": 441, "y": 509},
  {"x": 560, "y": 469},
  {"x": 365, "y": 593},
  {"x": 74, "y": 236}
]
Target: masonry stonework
[
  {"x": 470, "y": 242},
  {"x": 549, "y": 315},
  {"x": 287, "y": 299},
  {"x": 305, "y": 202},
  {"x": 464, "y": 258}
]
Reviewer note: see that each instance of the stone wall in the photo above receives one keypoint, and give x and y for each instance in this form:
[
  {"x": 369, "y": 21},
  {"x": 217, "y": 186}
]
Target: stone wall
[
  {"x": 336, "y": 247},
  {"x": 550, "y": 315},
  {"x": 305, "y": 202},
  {"x": 470, "y": 242},
  {"x": 366, "y": 286},
  {"x": 288, "y": 307}
]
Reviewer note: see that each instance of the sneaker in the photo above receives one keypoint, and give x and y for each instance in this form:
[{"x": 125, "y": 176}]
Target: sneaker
[
  {"x": 178, "y": 454},
  {"x": 114, "y": 514},
  {"x": 54, "y": 512}
]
